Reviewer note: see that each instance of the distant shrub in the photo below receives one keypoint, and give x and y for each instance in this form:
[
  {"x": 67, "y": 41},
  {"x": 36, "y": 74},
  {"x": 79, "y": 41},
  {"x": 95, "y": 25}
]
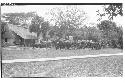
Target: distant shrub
[{"x": 92, "y": 33}]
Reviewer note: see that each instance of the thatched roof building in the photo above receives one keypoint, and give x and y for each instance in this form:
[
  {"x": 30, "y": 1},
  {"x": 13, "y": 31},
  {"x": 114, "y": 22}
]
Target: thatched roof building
[{"x": 17, "y": 33}]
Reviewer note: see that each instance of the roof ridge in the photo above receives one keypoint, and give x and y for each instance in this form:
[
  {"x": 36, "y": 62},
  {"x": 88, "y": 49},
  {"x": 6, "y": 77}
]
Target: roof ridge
[{"x": 22, "y": 32}]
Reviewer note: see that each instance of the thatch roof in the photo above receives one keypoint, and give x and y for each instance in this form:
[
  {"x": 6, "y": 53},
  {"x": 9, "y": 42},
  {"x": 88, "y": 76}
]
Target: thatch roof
[{"x": 22, "y": 32}]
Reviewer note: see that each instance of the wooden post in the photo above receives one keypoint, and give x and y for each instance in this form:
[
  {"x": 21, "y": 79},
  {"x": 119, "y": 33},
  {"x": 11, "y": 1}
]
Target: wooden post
[{"x": 24, "y": 43}]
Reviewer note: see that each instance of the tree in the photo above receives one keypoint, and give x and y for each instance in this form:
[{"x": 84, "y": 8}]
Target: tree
[
  {"x": 39, "y": 26},
  {"x": 3, "y": 29},
  {"x": 18, "y": 18},
  {"x": 111, "y": 33},
  {"x": 92, "y": 33},
  {"x": 67, "y": 19},
  {"x": 45, "y": 26},
  {"x": 111, "y": 10}
]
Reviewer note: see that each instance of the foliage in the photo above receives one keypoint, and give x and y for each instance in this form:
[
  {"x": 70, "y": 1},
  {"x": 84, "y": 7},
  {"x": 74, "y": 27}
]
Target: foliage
[
  {"x": 39, "y": 25},
  {"x": 112, "y": 11},
  {"x": 92, "y": 33},
  {"x": 18, "y": 18},
  {"x": 67, "y": 19},
  {"x": 35, "y": 24},
  {"x": 108, "y": 28},
  {"x": 3, "y": 30},
  {"x": 111, "y": 33}
]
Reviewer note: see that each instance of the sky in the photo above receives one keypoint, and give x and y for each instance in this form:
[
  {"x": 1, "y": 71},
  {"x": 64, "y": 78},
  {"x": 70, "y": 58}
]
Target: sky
[{"x": 42, "y": 9}]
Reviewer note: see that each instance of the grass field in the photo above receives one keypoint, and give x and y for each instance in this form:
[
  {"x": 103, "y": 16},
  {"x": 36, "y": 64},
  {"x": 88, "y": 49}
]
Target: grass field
[
  {"x": 111, "y": 66},
  {"x": 51, "y": 53}
]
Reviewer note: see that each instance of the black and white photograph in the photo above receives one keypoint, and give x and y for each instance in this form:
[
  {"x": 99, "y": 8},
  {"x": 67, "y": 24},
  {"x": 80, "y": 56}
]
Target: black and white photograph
[{"x": 61, "y": 40}]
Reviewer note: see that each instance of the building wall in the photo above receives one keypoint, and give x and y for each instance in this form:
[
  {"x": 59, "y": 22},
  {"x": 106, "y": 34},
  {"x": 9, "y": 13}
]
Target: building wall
[
  {"x": 29, "y": 42},
  {"x": 10, "y": 41}
]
